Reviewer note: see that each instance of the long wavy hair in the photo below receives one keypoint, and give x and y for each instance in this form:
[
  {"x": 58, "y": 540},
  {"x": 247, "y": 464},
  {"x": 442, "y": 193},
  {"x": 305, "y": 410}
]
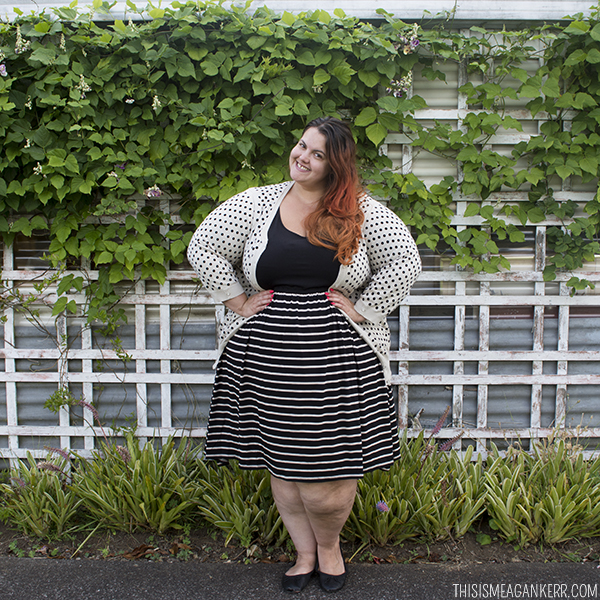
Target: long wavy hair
[{"x": 336, "y": 224}]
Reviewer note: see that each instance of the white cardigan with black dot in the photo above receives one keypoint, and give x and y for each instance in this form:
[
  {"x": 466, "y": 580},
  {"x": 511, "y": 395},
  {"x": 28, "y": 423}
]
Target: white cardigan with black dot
[{"x": 226, "y": 247}]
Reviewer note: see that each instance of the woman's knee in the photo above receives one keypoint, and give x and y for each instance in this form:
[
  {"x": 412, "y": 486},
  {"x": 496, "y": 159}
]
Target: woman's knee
[
  {"x": 286, "y": 493},
  {"x": 328, "y": 498}
]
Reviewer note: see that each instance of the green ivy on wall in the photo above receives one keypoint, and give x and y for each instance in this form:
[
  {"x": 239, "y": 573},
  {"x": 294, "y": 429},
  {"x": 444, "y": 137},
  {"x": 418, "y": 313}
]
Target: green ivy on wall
[{"x": 201, "y": 101}]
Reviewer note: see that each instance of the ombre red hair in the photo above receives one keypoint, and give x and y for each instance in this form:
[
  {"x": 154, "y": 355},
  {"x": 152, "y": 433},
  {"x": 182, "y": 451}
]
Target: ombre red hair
[{"x": 337, "y": 222}]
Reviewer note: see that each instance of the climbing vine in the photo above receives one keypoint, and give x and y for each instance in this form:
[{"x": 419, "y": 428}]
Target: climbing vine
[{"x": 101, "y": 120}]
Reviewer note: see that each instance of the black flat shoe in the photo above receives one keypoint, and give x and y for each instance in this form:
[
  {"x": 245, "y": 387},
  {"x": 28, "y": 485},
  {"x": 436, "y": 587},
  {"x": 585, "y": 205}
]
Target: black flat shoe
[
  {"x": 296, "y": 583},
  {"x": 333, "y": 583}
]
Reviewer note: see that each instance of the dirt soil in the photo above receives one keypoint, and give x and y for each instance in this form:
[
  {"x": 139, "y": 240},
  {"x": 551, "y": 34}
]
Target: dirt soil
[{"x": 206, "y": 546}]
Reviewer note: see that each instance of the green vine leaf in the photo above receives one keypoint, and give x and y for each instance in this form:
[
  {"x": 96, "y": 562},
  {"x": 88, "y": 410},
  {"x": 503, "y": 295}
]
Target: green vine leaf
[{"x": 376, "y": 133}]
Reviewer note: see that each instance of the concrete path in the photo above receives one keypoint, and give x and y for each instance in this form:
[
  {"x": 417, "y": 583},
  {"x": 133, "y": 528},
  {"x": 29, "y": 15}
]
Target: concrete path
[{"x": 48, "y": 579}]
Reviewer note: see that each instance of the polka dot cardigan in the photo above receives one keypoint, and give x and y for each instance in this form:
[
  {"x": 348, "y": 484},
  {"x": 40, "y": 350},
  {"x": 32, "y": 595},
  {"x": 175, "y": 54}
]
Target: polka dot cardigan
[{"x": 226, "y": 247}]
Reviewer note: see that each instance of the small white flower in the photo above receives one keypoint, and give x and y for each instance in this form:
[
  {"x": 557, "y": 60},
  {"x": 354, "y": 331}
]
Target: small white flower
[
  {"x": 129, "y": 101},
  {"x": 317, "y": 89},
  {"x": 28, "y": 145},
  {"x": 20, "y": 45},
  {"x": 398, "y": 87},
  {"x": 28, "y": 103},
  {"x": 113, "y": 174},
  {"x": 408, "y": 44},
  {"x": 38, "y": 170},
  {"x": 63, "y": 43},
  {"x": 82, "y": 86},
  {"x": 153, "y": 192},
  {"x": 156, "y": 104}
]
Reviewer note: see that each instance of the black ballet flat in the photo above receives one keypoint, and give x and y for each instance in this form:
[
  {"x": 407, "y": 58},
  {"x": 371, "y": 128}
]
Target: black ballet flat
[
  {"x": 296, "y": 583},
  {"x": 333, "y": 583}
]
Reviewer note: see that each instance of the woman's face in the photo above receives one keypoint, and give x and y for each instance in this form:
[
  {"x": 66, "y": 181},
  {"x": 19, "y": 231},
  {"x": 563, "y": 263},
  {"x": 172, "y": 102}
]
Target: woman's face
[{"x": 309, "y": 166}]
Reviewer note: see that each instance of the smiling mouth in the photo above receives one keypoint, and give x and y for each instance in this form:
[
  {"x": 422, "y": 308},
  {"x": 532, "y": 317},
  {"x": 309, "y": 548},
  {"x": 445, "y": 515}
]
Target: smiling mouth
[{"x": 301, "y": 167}]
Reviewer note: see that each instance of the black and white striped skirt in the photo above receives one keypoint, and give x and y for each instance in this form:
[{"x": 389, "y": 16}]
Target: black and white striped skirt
[{"x": 300, "y": 393}]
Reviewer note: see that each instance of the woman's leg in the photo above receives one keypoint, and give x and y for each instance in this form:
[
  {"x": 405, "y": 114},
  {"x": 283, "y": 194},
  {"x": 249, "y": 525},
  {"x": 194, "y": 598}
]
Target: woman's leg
[
  {"x": 289, "y": 504},
  {"x": 314, "y": 514}
]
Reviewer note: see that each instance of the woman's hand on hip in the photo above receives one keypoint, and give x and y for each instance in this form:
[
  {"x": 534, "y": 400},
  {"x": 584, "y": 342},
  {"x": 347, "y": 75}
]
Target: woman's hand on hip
[
  {"x": 344, "y": 304},
  {"x": 248, "y": 306}
]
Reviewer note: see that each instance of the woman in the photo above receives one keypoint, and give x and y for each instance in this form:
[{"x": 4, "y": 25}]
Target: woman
[{"x": 309, "y": 270}]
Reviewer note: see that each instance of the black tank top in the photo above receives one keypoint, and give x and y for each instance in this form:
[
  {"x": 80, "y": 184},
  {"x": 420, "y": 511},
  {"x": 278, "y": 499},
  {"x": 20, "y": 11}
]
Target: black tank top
[{"x": 291, "y": 263}]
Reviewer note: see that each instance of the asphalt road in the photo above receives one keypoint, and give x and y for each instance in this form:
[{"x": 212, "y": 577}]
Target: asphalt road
[{"x": 47, "y": 579}]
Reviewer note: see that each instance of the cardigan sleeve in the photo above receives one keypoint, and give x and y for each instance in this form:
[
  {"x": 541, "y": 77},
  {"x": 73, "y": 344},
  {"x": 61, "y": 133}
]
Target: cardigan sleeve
[
  {"x": 394, "y": 260},
  {"x": 217, "y": 247}
]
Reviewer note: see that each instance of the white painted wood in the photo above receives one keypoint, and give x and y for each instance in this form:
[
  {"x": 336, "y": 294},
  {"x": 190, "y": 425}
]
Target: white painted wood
[
  {"x": 451, "y": 380},
  {"x": 494, "y": 355},
  {"x": 63, "y": 375},
  {"x": 503, "y": 300},
  {"x": 560, "y": 413},
  {"x": 101, "y": 354},
  {"x": 409, "y": 10},
  {"x": 140, "y": 363},
  {"x": 446, "y": 432},
  {"x": 207, "y": 379},
  {"x": 75, "y": 431},
  {"x": 515, "y": 276},
  {"x": 483, "y": 365},
  {"x": 87, "y": 386},
  {"x": 99, "y": 377},
  {"x": 403, "y": 365},
  {"x": 165, "y": 342},
  {"x": 537, "y": 367},
  {"x": 9, "y": 363},
  {"x": 203, "y": 298},
  {"x": 396, "y": 355},
  {"x": 460, "y": 286}
]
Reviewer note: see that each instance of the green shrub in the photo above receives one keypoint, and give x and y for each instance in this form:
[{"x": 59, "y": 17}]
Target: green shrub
[
  {"x": 428, "y": 494},
  {"x": 240, "y": 503},
  {"x": 39, "y": 501},
  {"x": 550, "y": 494},
  {"x": 129, "y": 488}
]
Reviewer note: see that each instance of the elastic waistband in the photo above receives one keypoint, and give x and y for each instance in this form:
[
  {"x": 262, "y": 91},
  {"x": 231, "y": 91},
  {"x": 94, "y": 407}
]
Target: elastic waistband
[{"x": 298, "y": 292}]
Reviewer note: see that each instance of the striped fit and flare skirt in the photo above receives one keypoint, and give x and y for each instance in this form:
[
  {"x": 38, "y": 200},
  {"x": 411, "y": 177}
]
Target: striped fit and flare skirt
[{"x": 298, "y": 392}]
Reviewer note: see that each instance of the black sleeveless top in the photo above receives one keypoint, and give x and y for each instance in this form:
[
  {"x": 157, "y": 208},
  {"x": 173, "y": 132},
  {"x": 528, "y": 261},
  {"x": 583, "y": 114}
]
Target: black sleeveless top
[{"x": 290, "y": 263}]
